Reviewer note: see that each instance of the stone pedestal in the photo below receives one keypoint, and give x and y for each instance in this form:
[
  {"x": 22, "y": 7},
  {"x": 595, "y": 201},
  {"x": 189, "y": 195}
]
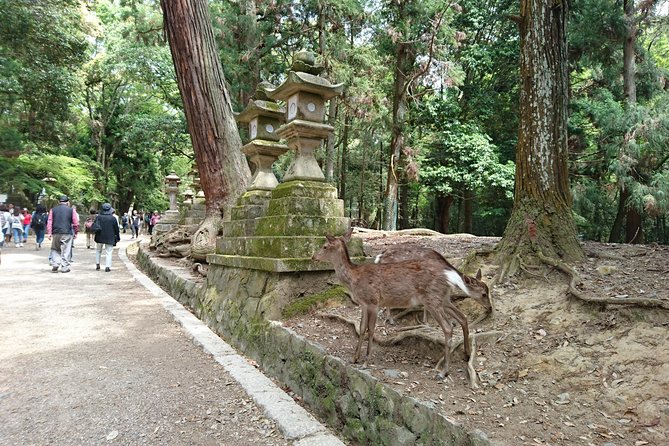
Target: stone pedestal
[
  {"x": 195, "y": 212},
  {"x": 168, "y": 221},
  {"x": 285, "y": 236}
]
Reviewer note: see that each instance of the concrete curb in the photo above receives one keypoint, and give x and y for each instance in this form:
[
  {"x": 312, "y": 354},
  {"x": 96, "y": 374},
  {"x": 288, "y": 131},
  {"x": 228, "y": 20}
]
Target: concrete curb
[{"x": 293, "y": 420}]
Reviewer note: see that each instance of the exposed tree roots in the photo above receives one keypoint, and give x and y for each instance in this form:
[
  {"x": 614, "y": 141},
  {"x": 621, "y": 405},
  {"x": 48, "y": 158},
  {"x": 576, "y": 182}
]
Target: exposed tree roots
[
  {"x": 424, "y": 332},
  {"x": 575, "y": 280}
]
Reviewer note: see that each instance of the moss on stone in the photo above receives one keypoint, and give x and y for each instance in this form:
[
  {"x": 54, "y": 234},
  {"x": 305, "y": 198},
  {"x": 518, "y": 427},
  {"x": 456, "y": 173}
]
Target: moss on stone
[{"x": 306, "y": 304}]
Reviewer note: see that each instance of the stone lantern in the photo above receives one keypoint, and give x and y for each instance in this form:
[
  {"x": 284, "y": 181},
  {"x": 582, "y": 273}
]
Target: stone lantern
[
  {"x": 172, "y": 181},
  {"x": 188, "y": 196},
  {"x": 278, "y": 229},
  {"x": 305, "y": 93},
  {"x": 264, "y": 117}
]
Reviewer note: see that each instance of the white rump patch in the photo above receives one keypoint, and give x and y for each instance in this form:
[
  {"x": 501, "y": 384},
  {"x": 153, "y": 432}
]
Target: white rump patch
[
  {"x": 377, "y": 259},
  {"x": 455, "y": 279}
]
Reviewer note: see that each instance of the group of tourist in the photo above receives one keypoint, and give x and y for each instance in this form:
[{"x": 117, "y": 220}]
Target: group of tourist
[
  {"x": 16, "y": 224},
  {"x": 62, "y": 224}
]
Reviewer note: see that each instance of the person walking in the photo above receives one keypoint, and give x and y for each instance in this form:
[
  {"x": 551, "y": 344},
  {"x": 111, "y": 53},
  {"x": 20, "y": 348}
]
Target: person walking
[
  {"x": 38, "y": 224},
  {"x": 155, "y": 218},
  {"x": 106, "y": 235},
  {"x": 27, "y": 218},
  {"x": 17, "y": 228},
  {"x": 124, "y": 221},
  {"x": 62, "y": 228},
  {"x": 88, "y": 228},
  {"x": 4, "y": 222},
  {"x": 135, "y": 222}
]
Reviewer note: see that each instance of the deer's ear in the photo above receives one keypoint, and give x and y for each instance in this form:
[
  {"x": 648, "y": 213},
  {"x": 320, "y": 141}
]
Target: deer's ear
[
  {"x": 478, "y": 274},
  {"x": 347, "y": 235},
  {"x": 330, "y": 238}
]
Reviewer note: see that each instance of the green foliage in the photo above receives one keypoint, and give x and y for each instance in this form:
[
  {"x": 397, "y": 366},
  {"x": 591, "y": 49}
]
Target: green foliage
[{"x": 57, "y": 174}]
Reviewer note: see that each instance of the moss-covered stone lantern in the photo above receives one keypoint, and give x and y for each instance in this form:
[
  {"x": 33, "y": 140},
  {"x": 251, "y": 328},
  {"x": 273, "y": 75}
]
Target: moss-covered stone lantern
[
  {"x": 264, "y": 117},
  {"x": 305, "y": 94},
  {"x": 280, "y": 231}
]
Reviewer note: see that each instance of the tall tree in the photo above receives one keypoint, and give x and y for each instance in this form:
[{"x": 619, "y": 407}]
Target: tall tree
[
  {"x": 541, "y": 222},
  {"x": 223, "y": 170}
]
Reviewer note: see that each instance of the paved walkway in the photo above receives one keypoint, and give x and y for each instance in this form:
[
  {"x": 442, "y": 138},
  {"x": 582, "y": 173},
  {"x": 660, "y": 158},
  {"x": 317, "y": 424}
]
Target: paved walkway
[{"x": 91, "y": 357}]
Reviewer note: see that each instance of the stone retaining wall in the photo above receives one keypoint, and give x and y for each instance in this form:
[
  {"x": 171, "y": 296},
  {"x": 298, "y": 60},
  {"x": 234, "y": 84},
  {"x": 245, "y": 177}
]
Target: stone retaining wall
[{"x": 242, "y": 306}]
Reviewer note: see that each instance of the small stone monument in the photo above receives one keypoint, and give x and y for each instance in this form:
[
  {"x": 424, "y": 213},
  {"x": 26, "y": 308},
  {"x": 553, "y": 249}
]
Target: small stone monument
[
  {"x": 170, "y": 217},
  {"x": 196, "y": 211}
]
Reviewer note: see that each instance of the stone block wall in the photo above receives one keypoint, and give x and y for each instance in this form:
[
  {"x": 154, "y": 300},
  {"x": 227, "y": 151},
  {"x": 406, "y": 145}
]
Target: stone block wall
[{"x": 242, "y": 305}]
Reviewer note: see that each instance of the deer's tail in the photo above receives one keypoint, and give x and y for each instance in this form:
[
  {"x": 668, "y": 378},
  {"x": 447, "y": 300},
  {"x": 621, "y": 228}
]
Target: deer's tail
[{"x": 455, "y": 279}]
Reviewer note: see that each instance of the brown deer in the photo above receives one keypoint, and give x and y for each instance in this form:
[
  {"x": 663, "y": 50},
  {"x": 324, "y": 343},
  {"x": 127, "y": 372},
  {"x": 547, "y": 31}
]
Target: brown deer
[
  {"x": 402, "y": 284},
  {"x": 475, "y": 287}
]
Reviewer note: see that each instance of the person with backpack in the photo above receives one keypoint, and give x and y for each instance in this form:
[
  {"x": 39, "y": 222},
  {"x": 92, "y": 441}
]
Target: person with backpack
[
  {"x": 88, "y": 228},
  {"x": 17, "y": 228},
  {"x": 107, "y": 234},
  {"x": 38, "y": 224},
  {"x": 124, "y": 221}
]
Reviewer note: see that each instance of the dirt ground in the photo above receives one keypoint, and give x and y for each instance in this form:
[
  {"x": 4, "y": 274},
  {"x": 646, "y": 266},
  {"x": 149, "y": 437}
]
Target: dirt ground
[
  {"x": 92, "y": 358},
  {"x": 562, "y": 372}
]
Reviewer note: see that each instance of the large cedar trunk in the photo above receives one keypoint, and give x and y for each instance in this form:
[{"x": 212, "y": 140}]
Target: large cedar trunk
[
  {"x": 224, "y": 172},
  {"x": 541, "y": 220},
  {"x": 405, "y": 56},
  {"x": 633, "y": 218}
]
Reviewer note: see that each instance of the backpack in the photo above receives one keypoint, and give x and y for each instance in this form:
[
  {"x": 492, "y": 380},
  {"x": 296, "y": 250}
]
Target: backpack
[
  {"x": 39, "y": 222},
  {"x": 89, "y": 224}
]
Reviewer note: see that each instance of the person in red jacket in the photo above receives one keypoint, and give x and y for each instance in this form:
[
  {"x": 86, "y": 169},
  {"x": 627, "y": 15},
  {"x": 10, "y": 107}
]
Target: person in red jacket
[{"x": 27, "y": 218}]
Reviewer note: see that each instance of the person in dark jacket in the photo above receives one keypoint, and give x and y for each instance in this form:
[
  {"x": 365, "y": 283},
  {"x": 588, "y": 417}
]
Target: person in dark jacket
[
  {"x": 107, "y": 235},
  {"x": 62, "y": 228}
]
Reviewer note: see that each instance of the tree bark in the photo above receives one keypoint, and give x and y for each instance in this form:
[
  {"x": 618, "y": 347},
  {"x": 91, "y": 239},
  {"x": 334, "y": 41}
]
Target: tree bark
[
  {"x": 633, "y": 217},
  {"x": 443, "y": 213},
  {"x": 344, "y": 157},
  {"x": 468, "y": 220},
  {"x": 403, "y": 65},
  {"x": 224, "y": 172},
  {"x": 541, "y": 221}
]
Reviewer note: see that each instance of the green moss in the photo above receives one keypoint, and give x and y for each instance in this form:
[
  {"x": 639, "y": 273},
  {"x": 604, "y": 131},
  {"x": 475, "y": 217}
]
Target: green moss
[{"x": 306, "y": 304}]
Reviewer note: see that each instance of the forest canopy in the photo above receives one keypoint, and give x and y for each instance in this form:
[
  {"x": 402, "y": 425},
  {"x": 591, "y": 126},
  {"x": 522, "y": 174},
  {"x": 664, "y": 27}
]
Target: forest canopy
[{"x": 90, "y": 106}]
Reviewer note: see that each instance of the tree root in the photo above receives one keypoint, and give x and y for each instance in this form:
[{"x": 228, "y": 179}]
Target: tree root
[{"x": 575, "y": 279}]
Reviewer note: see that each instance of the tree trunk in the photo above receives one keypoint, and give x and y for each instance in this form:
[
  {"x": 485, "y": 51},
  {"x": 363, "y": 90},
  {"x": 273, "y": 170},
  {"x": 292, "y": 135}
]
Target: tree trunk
[
  {"x": 404, "y": 60},
  {"x": 224, "y": 172},
  {"x": 633, "y": 217},
  {"x": 404, "y": 205},
  {"x": 250, "y": 33},
  {"x": 619, "y": 221},
  {"x": 443, "y": 213},
  {"x": 541, "y": 220},
  {"x": 468, "y": 225},
  {"x": 330, "y": 152},
  {"x": 344, "y": 157}
]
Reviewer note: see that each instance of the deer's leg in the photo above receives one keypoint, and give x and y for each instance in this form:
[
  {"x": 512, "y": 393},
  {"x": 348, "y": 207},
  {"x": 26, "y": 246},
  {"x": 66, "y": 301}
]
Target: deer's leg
[
  {"x": 371, "y": 325},
  {"x": 459, "y": 316},
  {"x": 363, "y": 327},
  {"x": 447, "y": 328}
]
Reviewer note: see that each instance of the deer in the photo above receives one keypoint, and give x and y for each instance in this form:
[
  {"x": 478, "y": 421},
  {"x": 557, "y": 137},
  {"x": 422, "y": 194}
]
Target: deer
[
  {"x": 476, "y": 288},
  {"x": 402, "y": 284}
]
